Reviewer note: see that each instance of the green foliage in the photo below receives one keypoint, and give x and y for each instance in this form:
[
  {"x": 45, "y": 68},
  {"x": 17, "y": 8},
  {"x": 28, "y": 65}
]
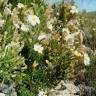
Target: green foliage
[
  {"x": 17, "y": 56},
  {"x": 9, "y": 61}
]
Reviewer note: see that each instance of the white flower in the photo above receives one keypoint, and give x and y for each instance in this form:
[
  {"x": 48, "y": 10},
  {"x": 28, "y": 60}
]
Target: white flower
[
  {"x": 66, "y": 30},
  {"x": 20, "y": 5},
  {"x": 94, "y": 29},
  {"x": 2, "y": 94},
  {"x": 76, "y": 53},
  {"x": 1, "y": 23},
  {"x": 73, "y": 10},
  {"x": 33, "y": 19},
  {"x": 86, "y": 59},
  {"x": 42, "y": 36},
  {"x": 13, "y": 75},
  {"x": 9, "y": 5},
  {"x": 16, "y": 25},
  {"x": 24, "y": 27},
  {"x": 41, "y": 93},
  {"x": 49, "y": 25},
  {"x": 69, "y": 39},
  {"x": 48, "y": 37},
  {"x": 45, "y": 36},
  {"x": 38, "y": 48},
  {"x": 7, "y": 11}
]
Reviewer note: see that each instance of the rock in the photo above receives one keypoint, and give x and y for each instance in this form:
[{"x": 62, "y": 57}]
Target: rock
[
  {"x": 2, "y": 94},
  {"x": 8, "y": 89},
  {"x": 70, "y": 89},
  {"x": 64, "y": 88}
]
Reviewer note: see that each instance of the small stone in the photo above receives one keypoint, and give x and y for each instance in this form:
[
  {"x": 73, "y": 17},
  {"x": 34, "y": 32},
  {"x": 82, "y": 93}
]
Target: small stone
[{"x": 2, "y": 94}]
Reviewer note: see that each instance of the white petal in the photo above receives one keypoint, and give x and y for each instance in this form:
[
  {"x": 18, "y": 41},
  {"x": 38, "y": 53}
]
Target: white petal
[
  {"x": 24, "y": 27},
  {"x": 86, "y": 59},
  {"x": 20, "y": 5},
  {"x": 1, "y": 23},
  {"x": 2, "y": 94},
  {"x": 42, "y": 36}
]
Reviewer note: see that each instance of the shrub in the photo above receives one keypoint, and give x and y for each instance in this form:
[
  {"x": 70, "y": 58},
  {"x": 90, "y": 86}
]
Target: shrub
[{"x": 40, "y": 45}]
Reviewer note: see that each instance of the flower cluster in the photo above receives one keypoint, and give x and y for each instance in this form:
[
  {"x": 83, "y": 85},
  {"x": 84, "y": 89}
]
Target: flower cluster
[
  {"x": 38, "y": 48},
  {"x": 73, "y": 9},
  {"x": 67, "y": 42}
]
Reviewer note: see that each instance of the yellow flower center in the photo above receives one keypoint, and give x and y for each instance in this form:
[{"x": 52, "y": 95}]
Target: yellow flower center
[{"x": 33, "y": 17}]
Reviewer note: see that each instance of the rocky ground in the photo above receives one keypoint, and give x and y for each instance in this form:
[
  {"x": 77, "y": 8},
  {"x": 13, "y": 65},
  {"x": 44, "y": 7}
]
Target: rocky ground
[
  {"x": 63, "y": 88},
  {"x": 68, "y": 88}
]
